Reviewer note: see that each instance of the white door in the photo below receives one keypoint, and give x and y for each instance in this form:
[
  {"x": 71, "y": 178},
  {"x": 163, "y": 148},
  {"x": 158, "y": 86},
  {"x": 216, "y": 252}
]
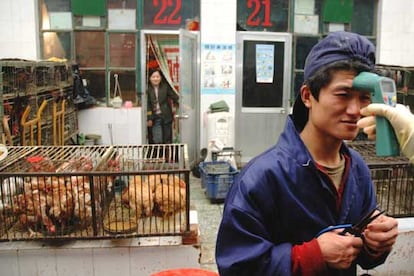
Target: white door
[
  {"x": 188, "y": 115},
  {"x": 263, "y": 81}
]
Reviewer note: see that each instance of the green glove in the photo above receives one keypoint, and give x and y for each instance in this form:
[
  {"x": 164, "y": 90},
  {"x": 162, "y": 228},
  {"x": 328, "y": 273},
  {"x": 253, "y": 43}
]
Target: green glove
[{"x": 401, "y": 119}]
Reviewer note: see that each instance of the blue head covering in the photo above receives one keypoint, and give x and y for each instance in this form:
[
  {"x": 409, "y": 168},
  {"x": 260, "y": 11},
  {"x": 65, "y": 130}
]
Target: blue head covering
[{"x": 336, "y": 46}]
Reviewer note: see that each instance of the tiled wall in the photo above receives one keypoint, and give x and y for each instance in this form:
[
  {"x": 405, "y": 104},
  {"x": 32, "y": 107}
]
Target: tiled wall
[
  {"x": 218, "y": 25},
  {"x": 18, "y": 29}
]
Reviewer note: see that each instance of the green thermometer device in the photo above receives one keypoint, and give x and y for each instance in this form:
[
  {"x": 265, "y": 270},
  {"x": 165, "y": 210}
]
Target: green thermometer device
[{"x": 383, "y": 91}]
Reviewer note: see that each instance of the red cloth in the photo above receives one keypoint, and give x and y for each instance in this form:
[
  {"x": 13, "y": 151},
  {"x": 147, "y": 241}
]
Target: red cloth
[
  {"x": 185, "y": 272},
  {"x": 307, "y": 259}
]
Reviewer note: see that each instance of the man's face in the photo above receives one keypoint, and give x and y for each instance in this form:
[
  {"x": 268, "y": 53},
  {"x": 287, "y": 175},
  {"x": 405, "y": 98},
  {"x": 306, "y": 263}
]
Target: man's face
[{"x": 336, "y": 112}]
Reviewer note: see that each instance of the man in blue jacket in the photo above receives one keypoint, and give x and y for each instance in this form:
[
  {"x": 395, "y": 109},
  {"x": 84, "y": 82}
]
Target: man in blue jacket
[{"x": 279, "y": 211}]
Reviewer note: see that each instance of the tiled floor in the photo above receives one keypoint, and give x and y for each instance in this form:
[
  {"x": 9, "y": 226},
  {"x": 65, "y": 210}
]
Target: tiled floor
[{"x": 209, "y": 217}]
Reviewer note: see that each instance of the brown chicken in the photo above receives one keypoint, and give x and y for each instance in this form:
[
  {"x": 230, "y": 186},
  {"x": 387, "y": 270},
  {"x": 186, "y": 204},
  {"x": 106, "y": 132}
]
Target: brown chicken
[
  {"x": 165, "y": 192},
  {"x": 47, "y": 204},
  {"x": 169, "y": 199},
  {"x": 59, "y": 202},
  {"x": 139, "y": 197},
  {"x": 82, "y": 199},
  {"x": 31, "y": 208}
]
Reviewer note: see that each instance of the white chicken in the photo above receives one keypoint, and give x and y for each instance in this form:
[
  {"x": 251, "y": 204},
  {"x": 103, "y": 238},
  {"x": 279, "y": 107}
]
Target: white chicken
[{"x": 9, "y": 188}]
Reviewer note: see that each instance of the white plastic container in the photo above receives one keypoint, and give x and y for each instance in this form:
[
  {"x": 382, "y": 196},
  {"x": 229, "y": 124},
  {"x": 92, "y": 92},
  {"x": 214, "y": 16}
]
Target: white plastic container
[{"x": 221, "y": 127}]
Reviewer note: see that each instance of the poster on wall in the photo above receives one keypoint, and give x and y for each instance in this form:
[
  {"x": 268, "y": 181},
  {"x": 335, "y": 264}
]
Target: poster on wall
[
  {"x": 218, "y": 72},
  {"x": 265, "y": 55}
]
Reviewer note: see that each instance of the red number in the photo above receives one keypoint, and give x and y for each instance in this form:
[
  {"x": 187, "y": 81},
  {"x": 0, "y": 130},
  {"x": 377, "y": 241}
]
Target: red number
[
  {"x": 174, "y": 18},
  {"x": 254, "y": 19},
  {"x": 176, "y": 11},
  {"x": 158, "y": 19},
  {"x": 266, "y": 20},
  {"x": 250, "y": 20}
]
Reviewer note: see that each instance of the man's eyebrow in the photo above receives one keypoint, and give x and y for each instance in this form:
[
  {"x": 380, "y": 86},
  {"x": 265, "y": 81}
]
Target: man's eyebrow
[{"x": 344, "y": 87}]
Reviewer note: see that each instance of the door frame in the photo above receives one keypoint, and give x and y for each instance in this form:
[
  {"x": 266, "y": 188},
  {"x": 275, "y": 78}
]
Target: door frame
[
  {"x": 143, "y": 53},
  {"x": 193, "y": 156}
]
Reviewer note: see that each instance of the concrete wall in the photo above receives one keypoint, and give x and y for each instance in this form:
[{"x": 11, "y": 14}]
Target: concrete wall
[{"x": 118, "y": 126}]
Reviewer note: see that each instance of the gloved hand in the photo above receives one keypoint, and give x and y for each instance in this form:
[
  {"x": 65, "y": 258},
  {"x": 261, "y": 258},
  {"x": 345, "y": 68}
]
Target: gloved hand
[{"x": 401, "y": 119}]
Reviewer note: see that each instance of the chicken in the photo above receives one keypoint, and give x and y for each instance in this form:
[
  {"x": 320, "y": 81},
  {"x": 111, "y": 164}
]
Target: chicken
[
  {"x": 166, "y": 192},
  {"x": 31, "y": 208},
  {"x": 59, "y": 202},
  {"x": 10, "y": 187},
  {"x": 81, "y": 192},
  {"x": 172, "y": 180},
  {"x": 169, "y": 198},
  {"x": 47, "y": 204},
  {"x": 139, "y": 197}
]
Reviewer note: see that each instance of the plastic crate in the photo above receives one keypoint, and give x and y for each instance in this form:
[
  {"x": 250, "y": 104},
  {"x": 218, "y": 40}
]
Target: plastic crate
[{"x": 216, "y": 178}]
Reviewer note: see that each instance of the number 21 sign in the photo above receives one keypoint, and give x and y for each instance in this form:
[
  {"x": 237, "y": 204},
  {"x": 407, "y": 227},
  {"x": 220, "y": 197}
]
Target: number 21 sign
[{"x": 259, "y": 13}]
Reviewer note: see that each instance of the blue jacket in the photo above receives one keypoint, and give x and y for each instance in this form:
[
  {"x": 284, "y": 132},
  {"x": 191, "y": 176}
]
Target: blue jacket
[{"x": 281, "y": 199}]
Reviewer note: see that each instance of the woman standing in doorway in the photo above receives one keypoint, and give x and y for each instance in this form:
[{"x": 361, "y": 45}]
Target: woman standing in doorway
[{"x": 159, "y": 112}]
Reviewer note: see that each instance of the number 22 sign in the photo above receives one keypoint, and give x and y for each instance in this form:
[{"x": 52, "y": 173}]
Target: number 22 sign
[
  {"x": 168, "y": 12},
  {"x": 260, "y": 13}
]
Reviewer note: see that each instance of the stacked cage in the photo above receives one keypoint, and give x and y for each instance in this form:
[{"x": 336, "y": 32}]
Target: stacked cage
[
  {"x": 393, "y": 179},
  {"x": 26, "y": 86},
  {"x": 94, "y": 192}
]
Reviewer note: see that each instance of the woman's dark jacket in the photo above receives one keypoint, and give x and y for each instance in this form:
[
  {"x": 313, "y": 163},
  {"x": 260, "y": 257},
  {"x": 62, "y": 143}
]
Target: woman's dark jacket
[{"x": 164, "y": 94}]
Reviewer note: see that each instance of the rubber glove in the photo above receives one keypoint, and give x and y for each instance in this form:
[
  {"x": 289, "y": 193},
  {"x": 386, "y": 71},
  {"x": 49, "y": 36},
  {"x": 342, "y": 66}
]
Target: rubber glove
[{"x": 401, "y": 119}]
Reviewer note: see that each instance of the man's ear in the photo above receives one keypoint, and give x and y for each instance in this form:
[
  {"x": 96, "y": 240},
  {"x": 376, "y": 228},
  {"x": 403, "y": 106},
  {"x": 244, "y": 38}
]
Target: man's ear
[{"x": 306, "y": 94}]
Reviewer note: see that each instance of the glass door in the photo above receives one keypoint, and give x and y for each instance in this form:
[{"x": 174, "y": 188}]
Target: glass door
[{"x": 188, "y": 118}]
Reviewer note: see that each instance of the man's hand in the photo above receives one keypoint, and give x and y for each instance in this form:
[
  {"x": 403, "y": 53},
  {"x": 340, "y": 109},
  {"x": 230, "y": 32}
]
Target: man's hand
[
  {"x": 401, "y": 119},
  {"x": 380, "y": 235},
  {"x": 339, "y": 251}
]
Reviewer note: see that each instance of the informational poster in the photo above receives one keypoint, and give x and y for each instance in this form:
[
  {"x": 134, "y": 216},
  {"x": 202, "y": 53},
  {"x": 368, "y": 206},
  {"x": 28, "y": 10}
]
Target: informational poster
[
  {"x": 218, "y": 72},
  {"x": 265, "y": 55}
]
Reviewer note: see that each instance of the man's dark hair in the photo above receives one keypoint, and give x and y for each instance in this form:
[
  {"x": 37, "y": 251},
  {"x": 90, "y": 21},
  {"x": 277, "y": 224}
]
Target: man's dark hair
[{"x": 324, "y": 76}]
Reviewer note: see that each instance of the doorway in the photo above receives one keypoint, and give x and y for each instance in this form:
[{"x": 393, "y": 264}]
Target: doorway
[{"x": 176, "y": 54}]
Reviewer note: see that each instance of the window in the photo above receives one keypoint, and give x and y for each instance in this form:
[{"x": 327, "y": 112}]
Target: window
[
  {"x": 102, "y": 36},
  {"x": 313, "y": 19}
]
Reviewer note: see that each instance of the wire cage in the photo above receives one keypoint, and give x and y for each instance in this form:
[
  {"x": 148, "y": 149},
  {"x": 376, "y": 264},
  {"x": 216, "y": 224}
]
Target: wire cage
[
  {"x": 94, "y": 192},
  {"x": 393, "y": 178},
  {"x": 25, "y": 86},
  {"x": 18, "y": 78}
]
